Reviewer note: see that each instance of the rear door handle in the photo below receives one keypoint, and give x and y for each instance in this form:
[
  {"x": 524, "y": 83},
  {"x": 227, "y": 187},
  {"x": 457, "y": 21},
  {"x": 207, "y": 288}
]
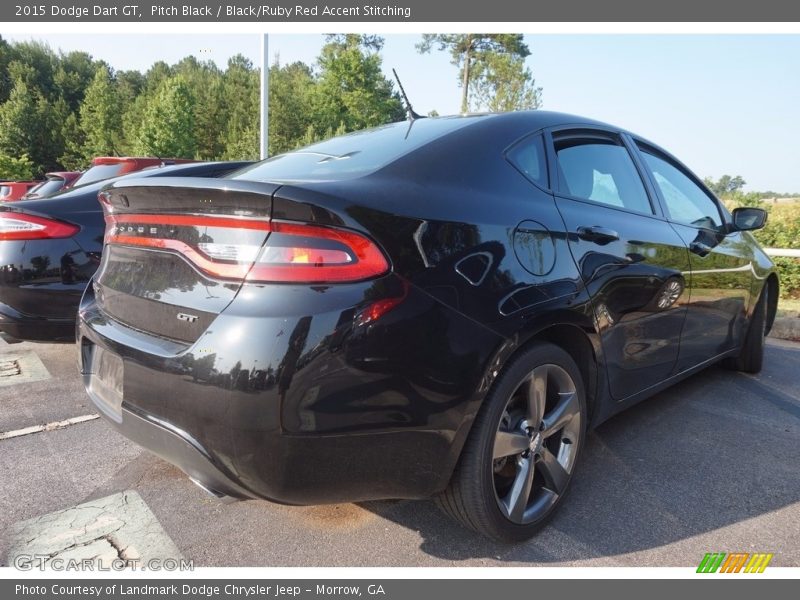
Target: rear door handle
[{"x": 597, "y": 234}]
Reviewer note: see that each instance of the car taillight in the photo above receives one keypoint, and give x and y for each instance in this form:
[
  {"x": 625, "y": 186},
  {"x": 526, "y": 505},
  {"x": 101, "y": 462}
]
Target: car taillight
[
  {"x": 20, "y": 226},
  {"x": 234, "y": 248},
  {"x": 312, "y": 254}
]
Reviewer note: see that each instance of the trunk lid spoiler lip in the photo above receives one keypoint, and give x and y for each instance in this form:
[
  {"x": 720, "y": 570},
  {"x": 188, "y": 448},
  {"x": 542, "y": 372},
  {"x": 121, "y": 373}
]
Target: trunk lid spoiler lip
[
  {"x": 262, "y": 188},
  {"x": 191, "y": 195}
]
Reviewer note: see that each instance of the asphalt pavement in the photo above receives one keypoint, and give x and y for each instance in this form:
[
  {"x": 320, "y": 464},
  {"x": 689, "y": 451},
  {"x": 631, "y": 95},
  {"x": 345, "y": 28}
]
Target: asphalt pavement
[{"x": 711, "y": 465}]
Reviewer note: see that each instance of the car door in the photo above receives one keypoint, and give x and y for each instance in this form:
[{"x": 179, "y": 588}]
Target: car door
[
  {"x": 721, "y": 262},
  {"x": 630, "y": 258}
]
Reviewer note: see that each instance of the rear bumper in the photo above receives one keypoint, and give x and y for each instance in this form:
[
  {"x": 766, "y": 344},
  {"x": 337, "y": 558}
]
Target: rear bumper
[
  {"x": 41, "y": 282},
  {"x": 179, "y": 448},
  {"x": 25, "y": 327},
  {"x": 301, "y": 409}
]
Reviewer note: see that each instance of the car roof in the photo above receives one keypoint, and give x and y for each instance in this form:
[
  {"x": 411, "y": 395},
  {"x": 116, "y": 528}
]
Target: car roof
[{"x": 531, "y": 120}]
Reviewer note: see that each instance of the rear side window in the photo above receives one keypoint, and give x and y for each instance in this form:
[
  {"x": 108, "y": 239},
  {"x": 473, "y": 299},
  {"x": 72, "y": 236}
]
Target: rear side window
[
  {"x": 686, "y": 202},
  {"x": 600, "y": 169},
  {"x": 529, "y": 159}
]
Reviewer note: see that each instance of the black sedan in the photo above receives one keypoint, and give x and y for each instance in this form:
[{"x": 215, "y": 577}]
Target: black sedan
[
  {"x": 51, "y": 247},
  {"x": 437, "y": 308}
]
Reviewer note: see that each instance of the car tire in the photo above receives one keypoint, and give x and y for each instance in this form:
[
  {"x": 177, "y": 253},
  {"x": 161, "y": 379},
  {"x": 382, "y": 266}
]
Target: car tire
[
  {"x": 520, "y": 456},
  {"x": 751, "y": 354}
]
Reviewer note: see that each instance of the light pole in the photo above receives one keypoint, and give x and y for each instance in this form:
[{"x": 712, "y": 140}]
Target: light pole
[{"x": 264, "y": 148}]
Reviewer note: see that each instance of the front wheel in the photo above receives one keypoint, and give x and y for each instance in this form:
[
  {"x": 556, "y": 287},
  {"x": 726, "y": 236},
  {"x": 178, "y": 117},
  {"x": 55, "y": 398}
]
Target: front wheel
[{"x": 520, "y": 456}]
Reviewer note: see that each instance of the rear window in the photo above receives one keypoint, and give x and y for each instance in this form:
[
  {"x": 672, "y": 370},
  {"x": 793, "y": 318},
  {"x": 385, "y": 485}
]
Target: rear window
[
  {"x": 354, "y": 154},
  {"x": 51, "y": 186},
  {"x": 4, "y": 191},
  {"x": 98, "y": 173}
]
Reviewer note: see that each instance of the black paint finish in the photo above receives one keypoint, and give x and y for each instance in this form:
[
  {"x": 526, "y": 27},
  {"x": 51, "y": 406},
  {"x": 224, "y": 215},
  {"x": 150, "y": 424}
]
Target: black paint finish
[{"x": 290, "y": 392}]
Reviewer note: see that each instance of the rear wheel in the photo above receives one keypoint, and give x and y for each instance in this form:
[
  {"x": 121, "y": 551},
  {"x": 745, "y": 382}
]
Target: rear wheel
[
  {"x": 751, "y": 355},
  {"x": 519, "y": 459}
]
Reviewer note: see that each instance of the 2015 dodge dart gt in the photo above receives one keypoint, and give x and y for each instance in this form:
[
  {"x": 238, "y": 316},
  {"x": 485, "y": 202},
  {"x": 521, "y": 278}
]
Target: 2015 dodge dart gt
[{"x": 434, "y": 308}]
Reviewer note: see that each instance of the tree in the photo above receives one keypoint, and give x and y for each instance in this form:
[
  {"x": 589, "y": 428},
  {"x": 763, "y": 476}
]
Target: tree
[
  {"x": 16, "y": 168},
  {"x": 100, "y": 118},
  {"x": 40, "y": 64},
  {"x": 168, "y": 126},
  {"x": 18, "y": 121},
  {"x": 73, "y": 158},
  {"x": 240, "y": 95},
  {"x": 504, "y": 83},
  {"x": 725, "y": 185},
  {"x": 205, "y": 82},
  {"x": 6, "y": 56},
  {"x": 352, "y": 92},
  {"x": 471, "y": 51},
  {"x": 74, "y": 73},
  {"x": 291, "y": 97}
]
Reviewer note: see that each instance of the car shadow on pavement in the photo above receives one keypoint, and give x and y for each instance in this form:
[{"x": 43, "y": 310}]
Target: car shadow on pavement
[{"x": 715, "y": 450}]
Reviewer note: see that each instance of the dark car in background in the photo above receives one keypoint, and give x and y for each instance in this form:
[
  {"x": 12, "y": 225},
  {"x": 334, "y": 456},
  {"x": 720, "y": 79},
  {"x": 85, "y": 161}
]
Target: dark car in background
[
  {"x": 51, "y": 247},
  {"x": 53, "y": 183},
  {"x": 432, "y": 308},
  {"x": 106, "y": 167}
]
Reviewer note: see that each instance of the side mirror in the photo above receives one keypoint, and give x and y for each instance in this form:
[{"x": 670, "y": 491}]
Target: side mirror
[{"x": 748, "y": 218}]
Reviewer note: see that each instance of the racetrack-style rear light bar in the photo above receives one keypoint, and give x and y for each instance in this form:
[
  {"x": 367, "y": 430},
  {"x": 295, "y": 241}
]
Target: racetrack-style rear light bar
[
  {"x": 21, "y": 226},
  {"x": 234, "y": 248}
]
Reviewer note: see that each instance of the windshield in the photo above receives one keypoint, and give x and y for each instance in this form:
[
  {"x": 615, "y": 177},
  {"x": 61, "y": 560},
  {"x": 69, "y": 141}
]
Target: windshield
[
  {"x": 352, "y": 155},
  {"x": 98, "y": 173},
  {"x": 51, "y": 186}
]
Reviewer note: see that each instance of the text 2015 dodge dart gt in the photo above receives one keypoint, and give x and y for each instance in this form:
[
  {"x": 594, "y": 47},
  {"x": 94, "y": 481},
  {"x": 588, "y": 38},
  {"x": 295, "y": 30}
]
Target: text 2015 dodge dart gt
[{"x": 435, "y": 308}]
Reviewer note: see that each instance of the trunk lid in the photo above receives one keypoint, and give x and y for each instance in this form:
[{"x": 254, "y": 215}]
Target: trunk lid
[{"x": 178, "y": 250}]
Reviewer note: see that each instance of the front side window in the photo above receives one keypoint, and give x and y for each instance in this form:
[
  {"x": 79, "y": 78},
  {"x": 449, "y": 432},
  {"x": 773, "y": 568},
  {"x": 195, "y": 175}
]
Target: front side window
[
  {"x": 600, "y": 169},
  {"x": 685, "y": 201}
]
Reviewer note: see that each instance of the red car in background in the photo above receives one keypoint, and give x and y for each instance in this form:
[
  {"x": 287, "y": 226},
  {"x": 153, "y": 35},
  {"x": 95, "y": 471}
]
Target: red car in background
[
  {"x": 14, "y": 190},
  {"x": 53, "y": 183},
  {"x": 105, "y": 167}
]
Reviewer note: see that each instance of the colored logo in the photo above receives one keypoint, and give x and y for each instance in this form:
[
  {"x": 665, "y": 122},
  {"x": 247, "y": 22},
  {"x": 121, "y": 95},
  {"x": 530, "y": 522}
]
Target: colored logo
[{"x": 735, "y": 562}]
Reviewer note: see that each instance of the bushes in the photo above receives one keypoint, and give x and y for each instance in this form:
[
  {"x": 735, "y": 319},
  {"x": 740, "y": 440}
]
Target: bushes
[
  {"x": 789, "y": 274},
  {"x": 783, "y": 231}
]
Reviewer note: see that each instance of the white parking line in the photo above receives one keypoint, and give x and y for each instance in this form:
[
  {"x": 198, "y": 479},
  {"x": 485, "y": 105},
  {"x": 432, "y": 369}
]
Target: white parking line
[{"x": 6, "y": 435}]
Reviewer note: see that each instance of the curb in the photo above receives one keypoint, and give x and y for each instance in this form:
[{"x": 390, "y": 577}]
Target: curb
[{"x": 786, "y": 328}]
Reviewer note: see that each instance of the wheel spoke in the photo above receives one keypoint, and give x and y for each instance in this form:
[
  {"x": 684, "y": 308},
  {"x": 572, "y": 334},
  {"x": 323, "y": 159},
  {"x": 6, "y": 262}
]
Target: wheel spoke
[
  {"x": 537, "y": 395},
  {"x": 517, "y": 499},
  {"x": 563, "y": 412},
  {"x": 555, "y": 476},
  {"x": 508, "y": 443}
]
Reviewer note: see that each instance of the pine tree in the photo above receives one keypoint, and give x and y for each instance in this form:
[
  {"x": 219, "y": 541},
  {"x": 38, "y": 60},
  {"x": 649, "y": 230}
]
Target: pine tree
[
  {"x": 352, "y": 92},
  {"x": 168, "y": 126},
  {"x": 20, "y": 124},
  {"x": 100, "y": 117}
]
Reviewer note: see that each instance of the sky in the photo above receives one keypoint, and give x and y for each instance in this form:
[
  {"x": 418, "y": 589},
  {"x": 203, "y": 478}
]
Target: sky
[{"x": 723, "y": 104}]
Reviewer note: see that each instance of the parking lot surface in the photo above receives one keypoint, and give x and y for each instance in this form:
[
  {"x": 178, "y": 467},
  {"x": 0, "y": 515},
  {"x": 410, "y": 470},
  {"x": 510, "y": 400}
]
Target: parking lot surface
[{"x": 710, "y": 465}]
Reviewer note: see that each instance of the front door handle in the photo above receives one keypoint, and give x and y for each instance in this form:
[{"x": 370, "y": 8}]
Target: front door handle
[{"x": 597, "y": 234}]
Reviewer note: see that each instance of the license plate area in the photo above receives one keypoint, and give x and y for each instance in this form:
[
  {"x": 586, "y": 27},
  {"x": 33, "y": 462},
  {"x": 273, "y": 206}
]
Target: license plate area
[{"x": 103, "y": 375}]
